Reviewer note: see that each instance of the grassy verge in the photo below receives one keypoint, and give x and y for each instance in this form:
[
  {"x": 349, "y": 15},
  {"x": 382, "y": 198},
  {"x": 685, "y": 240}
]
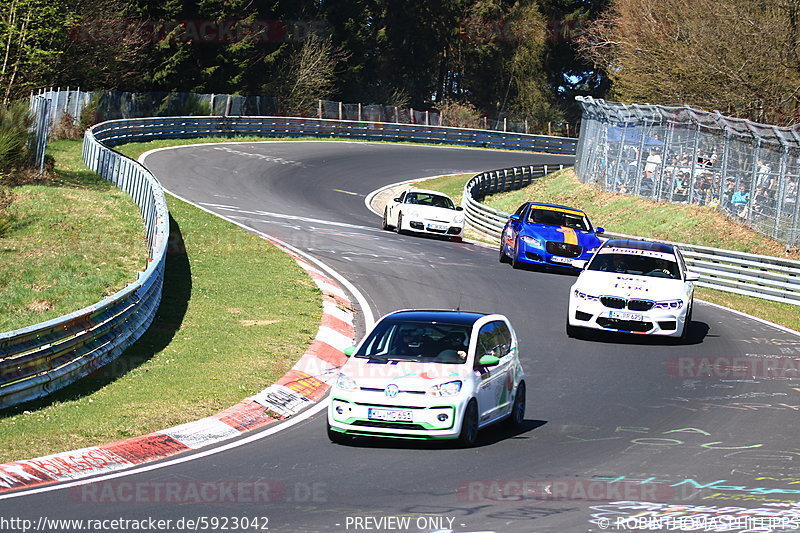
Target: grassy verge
[
  {"x": 236, "y": 314},
  {"x": 636, "y": 216},
  {"x": 75, "y": 239}
]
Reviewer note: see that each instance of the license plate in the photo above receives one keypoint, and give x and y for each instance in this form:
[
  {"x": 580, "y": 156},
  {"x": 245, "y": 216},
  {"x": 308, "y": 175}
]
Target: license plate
[
  {"x": 389, "y": 415},
  {"x": 622, "y": 315},
  {"x": 437, "y": 227},
  {"x": 557, "y": 259}
]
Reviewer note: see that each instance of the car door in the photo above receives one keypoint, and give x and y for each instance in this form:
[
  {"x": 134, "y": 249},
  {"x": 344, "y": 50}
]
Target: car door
[
  {"x": 394, "y": 209},
  {"x": 492, "y": 398}
]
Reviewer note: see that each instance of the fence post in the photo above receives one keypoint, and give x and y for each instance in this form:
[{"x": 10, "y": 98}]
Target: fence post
[
  {"x": 694, "y": 162},
  {"x": 753, "y": 178},
  {"x": 780, "y": 189},
  {"x": 340, "y": 111}
]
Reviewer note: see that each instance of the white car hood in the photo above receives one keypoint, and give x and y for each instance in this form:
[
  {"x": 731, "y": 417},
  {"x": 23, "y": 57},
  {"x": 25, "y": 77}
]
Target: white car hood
[
  {"x": 627, "y": 286},
  {"x": 407, "y": 375},
  {"x": 431, "y": 213}
]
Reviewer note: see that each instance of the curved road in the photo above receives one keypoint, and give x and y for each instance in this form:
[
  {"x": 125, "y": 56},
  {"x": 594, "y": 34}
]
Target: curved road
[{"x": 607, "y": 419}]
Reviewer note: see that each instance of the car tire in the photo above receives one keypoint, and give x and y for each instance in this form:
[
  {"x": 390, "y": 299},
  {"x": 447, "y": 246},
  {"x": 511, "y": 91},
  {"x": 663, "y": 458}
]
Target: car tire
[
  {"x": 385, "y": 223},
  {"x": 399, "y": 228},
  {"x": 469, "y": 425},
  {"x": 336, "y": 437},
  {"x": 515, "y": 262},
  {"x": 517, "y": 416},
  {"x": 503, "y": 257}
]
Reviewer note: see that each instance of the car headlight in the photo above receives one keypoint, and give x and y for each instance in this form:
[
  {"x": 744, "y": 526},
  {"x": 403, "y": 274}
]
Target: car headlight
[
  {"x": 458, "y": 219},
  {"x": 587, "y": 297},
  {"x": 669, "y": 304},
  {"x": 450, "y": 388},
  {"x": 345, "y": 382},
  {"x": 532, "y": 241}
]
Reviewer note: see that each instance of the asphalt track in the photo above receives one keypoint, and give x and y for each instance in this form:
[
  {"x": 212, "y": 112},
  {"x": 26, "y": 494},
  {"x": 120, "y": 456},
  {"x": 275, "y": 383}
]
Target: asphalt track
[{"x": 607, "y": 419}]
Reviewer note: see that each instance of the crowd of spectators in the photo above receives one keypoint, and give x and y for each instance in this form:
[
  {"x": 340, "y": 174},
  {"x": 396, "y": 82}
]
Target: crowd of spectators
[{"x": 683, "y": 176}]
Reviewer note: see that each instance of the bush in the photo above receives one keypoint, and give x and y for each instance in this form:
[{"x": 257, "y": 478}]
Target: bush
[
  {"x": 67, "y": 129},
  {"x": 15, "y": 121},
  {"x": 459, "y": 114}
]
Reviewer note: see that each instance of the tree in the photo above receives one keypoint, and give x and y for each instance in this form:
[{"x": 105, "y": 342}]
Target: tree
[{"x": 739, "y": 56}]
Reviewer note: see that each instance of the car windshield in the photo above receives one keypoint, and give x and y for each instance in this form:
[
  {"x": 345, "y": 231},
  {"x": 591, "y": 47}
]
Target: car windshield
[
  {"x": 558, "y": 218},
  {"x": 417, "y": 341},
  {"x": 435, "y": 200},
  {"x": 656, "y": 265}
]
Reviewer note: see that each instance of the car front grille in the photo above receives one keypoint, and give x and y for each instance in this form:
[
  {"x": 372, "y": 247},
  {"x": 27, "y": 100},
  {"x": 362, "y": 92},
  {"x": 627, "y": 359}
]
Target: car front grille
[
  {"x": 613, "y": 302},
  {"x": 624, "y": 325},
  {"x": 634, "y": 304},
  {"x": 393, "y": 425},
  {"x": 563, "y": 249}
]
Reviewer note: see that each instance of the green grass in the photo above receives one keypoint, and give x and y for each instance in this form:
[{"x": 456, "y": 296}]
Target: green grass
[
  {"x": 236, "y": 314},
  {"x": 629, "y": 215},
  {"x": 74, "y": 240}
]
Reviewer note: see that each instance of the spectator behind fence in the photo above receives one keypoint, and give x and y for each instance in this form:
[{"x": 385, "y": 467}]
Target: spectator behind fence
[{"x": 739, "y": 200}]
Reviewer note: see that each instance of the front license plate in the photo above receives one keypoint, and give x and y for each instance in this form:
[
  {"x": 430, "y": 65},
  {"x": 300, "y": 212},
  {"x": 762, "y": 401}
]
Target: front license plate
[
  {"x": 622, "y": 315},
  {"x": 389, "y": 415},
  {"x": 557, "y": 259},
  {"x": 437, "y": 227}
]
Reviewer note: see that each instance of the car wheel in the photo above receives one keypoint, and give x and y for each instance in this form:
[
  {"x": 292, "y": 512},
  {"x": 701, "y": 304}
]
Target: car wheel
[
  {"x": 518, "y": 409},
  {"x": 385, "y": 223},
  {"x": 515, "y": 262},
  {"x": 469, "y": 425},
  {"x": 399, "y": 228},
  {"x": 336, "y": 437},
  {"x": 503, "y": 257}
]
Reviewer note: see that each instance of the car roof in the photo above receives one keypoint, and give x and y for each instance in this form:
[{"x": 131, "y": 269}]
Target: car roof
[
  {"x": 426, "y": 191},
  {"x": 634, "y": 244},
  {"x": 557, "y": 206},
  {"x": 466, "y": 318}
]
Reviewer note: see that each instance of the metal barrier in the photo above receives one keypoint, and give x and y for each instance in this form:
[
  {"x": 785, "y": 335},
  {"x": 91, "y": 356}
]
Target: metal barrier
[
  {"x": 38, "y": 360},
  {"x": 116, "y": 132},
  {"x": 760, "y": 276}
]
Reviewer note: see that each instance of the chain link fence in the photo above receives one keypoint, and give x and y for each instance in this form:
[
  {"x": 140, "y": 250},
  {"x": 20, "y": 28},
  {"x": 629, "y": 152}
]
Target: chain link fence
[{"x": 748, "y": 171}]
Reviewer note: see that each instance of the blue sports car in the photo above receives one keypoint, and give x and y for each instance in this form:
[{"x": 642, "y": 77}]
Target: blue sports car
[{"x": 546, "y": 234}]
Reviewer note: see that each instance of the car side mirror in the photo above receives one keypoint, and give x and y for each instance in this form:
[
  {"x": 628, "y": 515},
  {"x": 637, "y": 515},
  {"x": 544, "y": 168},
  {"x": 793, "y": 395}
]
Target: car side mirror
[
  {"x": 692, "y": 276},
  {"x": 600, "y": 230},
  {"x": 349, "y": 351},
  {"x": 514, "y": 218},
  {"x": 489, "y": 360},
  {"x": 396, "y": 200},
  {"x": 459, "y": 208},
  {"x": 580, "y": 263}
]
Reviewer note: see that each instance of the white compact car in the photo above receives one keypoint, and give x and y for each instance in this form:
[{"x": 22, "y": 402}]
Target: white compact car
[
  {"x": 429, "y": 375},
  {"x": 421, "y": 211},
  {"x": 633, "y": 286}
]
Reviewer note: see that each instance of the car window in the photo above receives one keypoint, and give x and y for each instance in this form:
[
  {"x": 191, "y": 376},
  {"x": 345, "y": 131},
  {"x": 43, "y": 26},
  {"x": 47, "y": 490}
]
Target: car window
[
  {"x": 521, "y": 209},
  {"x": 434, "y": 200},
  {"x": 417, "y": 341},
  {"x": 558, "y": 218},
  {"x": 654, "y": 265},
  {"x": 494, "y": 338}
]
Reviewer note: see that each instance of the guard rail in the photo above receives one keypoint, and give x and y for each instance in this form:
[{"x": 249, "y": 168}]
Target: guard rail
[
  {"x": 760, "y": 276},
  {"x": 38, "y": 360}
]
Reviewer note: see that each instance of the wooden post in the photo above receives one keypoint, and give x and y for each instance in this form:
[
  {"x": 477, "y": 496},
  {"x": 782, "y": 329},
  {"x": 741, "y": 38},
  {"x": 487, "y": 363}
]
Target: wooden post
[
  {"x": 340, "y": 111},
  {"x": 359, "y": 112},
  {"x": 319, "y": 109}
]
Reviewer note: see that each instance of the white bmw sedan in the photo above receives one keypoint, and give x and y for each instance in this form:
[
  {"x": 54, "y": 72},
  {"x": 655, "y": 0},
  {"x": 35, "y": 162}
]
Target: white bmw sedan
[
  {"x": 429, "y": 375},
  {"x": 422, "y": 211},
  {"x": 632, "y": 286}
]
